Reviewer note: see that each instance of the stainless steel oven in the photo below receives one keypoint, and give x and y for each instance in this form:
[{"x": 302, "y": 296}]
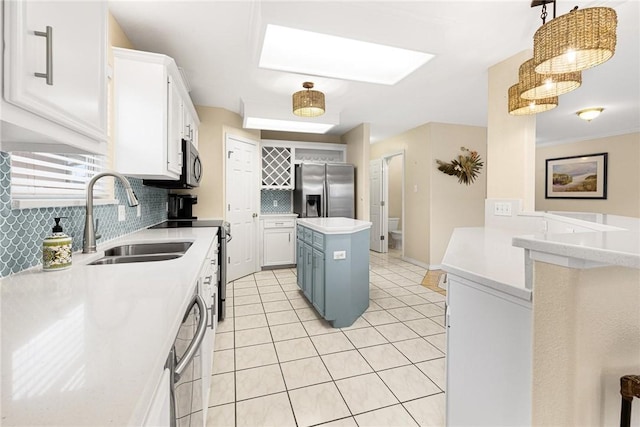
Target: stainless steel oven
[{"x": 186, "y": 368}]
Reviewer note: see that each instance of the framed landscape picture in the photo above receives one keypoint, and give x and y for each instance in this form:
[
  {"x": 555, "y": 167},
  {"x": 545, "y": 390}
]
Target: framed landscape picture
[{"x": 578, "y": 177}]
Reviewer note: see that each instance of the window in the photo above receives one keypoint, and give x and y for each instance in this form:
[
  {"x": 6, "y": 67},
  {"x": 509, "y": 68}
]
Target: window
[{"x": 47, "y": 179}]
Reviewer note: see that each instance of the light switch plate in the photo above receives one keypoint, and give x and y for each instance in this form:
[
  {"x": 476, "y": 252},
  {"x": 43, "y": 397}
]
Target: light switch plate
[
  {"x": 138, "y": 210},
  {"x": 339, "y": 254},
  {"x": 275, "y": 203},
  {"x": 121, "y": 213}
]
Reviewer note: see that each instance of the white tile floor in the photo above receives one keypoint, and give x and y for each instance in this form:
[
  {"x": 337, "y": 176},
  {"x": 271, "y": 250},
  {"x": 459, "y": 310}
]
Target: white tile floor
[{"x": 277, "y": 363}]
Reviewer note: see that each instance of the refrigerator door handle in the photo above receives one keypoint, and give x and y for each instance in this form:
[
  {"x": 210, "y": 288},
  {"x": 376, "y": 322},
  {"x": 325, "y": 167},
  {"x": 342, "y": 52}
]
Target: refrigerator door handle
[{"x": 325, "y": 200}]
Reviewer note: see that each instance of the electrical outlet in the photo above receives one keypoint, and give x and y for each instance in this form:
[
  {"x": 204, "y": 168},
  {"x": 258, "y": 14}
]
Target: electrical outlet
[
  {"x": 122, "y": 215},
  {"x": 502, "y": 209},
  {"x": 275, "y": 203},
  {"x": 138, "y": 210},
  {"x": 339, "y": 254}
]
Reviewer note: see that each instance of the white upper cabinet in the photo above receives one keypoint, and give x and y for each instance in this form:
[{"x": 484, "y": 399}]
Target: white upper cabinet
[
  {"x": 149, "y": 103},
  {"x": 55, "y": 76}
]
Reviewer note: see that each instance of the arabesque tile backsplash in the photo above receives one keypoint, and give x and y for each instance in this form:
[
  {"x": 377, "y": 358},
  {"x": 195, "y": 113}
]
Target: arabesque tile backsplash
[{"x": 22, "y": 230}]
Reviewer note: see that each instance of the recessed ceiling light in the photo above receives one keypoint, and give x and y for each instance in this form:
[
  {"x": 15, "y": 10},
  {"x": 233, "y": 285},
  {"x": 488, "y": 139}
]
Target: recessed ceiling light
[
  {"x": 306, "y": 52},
  {"x": 286, "y": 125}
]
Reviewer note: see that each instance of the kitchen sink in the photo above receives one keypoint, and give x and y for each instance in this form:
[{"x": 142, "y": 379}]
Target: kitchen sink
[
  {"x": 143, "y": 252},
  {"x": 149, "y": 248},
  {"x": 134, "y": 258}
]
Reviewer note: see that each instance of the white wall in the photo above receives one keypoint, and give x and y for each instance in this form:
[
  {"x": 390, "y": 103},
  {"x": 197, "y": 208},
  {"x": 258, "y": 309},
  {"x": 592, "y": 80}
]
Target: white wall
[{"x": 623, "y": 177}]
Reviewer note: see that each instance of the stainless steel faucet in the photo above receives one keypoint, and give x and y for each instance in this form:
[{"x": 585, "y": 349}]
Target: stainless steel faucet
[{"x": 89, "y": 240}]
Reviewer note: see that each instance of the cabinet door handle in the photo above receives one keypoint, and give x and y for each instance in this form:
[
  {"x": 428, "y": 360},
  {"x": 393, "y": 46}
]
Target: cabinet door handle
[
  {"x": 48, "y": 35},
  {"x": 289, "y": 237}
]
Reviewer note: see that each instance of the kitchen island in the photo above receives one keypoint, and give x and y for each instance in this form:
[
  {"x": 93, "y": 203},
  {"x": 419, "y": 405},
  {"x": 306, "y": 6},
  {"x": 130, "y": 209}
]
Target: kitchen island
[
  {"x": 547, "y": 304},
  {"x": 88, "y": 345},
  {"x": 333, "y": 267}
]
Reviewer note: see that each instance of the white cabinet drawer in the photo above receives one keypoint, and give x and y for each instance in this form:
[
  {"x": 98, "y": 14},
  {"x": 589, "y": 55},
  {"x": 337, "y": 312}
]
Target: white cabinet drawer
[{"x": 279, "y": 223}]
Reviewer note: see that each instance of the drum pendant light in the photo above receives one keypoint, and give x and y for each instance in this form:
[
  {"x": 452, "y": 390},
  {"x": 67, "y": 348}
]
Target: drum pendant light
[
  {"x": 575, "y": 41},
  {"x": 308, "y": 103},
  {"x": 540, "y": 86},
  {"x": 519, "y": 106}
]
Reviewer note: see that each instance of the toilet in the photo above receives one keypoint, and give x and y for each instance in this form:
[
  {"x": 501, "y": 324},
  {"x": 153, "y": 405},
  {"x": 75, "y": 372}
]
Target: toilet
[{"x": 394, "y": 233}]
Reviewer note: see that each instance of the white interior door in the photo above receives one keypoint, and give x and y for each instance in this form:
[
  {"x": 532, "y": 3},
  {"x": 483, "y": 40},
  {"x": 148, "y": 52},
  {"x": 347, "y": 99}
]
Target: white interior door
[
  {"x": 242, "y": 192},
  {"x": 377, "y": 236}
]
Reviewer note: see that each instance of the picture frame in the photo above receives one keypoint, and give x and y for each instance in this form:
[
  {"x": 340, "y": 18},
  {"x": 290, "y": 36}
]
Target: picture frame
[{"x": 576, "y": 177}]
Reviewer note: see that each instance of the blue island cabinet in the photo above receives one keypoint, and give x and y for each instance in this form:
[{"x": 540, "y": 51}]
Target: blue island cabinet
[{"x": 333, "y": 267}]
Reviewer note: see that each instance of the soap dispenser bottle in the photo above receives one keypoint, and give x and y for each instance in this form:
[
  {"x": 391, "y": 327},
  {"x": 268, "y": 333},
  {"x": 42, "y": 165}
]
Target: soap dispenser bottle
[{"x": 56, "y": 250}]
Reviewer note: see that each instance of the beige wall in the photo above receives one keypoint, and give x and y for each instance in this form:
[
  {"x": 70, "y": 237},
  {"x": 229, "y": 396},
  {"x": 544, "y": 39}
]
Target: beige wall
[
  {"x": 214, "y": 124},
  {"x": 510, "y": 139},
  {"x": 585, "y": 337},
  {"x": 434, "y": 202},
  {"x": 415, "y": 241},
  {"x": 623, "y": 176},
  {"x": 358, "y": 147},
  {"x": 454, "y": 204},
  {"x": 394, "y": 202}
]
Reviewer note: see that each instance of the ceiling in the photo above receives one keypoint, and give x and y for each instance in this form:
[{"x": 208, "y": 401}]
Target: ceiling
[{"x": 218, "y": 44}]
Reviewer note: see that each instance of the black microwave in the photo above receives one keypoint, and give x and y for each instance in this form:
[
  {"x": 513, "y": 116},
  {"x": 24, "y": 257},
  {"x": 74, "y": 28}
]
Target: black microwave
[{"x": 191, "y": 170}]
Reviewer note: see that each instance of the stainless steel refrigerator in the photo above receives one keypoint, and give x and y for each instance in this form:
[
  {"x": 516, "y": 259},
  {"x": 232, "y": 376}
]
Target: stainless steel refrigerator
[{"x": 324, "y": 190}]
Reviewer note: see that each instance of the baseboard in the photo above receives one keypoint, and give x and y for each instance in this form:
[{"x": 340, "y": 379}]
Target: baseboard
[
  {"x": 422, "y": 264},
  {"x": 276, "y": 267},
  {"x": 415, "y": 262}
]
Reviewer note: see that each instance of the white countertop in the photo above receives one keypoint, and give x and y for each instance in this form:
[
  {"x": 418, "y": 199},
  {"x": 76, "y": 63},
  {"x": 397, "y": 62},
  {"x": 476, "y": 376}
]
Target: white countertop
[
  {"x": 87, "y": 346},
  {"x": 337, "y": 225},
  {"x": 495, "y": 257},
  {"x": 615, "y": 240},
  {"x": 274, "y": 215},
  {"x": 486, "y": 256}
]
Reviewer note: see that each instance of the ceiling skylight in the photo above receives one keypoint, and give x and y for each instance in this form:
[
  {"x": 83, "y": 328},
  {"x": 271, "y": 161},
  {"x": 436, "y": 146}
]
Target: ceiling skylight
[
  {"x": 306, "y": 52},
  {"x": 286, "y": 125}
]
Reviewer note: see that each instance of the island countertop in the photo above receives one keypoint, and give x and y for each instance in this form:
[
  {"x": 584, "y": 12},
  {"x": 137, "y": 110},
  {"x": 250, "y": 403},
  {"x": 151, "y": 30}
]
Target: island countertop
[
  {"x": 337, "y": 225},
  {"x": 87, "y": 345}
]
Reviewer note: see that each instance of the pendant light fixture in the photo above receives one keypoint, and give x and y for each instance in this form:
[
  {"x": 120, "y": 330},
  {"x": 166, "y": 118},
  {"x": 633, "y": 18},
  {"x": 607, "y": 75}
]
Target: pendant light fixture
[
  {"x": 540, "y": 86},
  {"x": 519, "y": 106},
  {"x": 308, "y": 103},
  {"x": 575, "y": 41}
]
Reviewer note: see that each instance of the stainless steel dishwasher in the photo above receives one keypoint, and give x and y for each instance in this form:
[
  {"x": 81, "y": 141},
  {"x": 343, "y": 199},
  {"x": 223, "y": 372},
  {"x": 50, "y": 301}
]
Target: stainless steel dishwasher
[{"x": 185, "y": 367}]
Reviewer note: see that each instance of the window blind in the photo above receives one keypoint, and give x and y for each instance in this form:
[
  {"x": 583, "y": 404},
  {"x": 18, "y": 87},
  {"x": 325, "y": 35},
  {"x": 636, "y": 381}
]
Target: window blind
[{"x": 56, "y": 176}]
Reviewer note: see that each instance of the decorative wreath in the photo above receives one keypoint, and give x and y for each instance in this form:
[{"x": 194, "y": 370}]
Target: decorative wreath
[{"x": 465, "y": 167}]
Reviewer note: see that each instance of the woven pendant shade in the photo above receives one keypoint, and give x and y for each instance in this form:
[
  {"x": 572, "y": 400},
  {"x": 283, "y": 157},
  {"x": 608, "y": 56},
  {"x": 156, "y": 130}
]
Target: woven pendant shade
[
  {"x": 576, "y": 41},
  {"x": 540, "y": 86},
  {"x": 519, "y": 106},
  {"x": 308, "y": 103}
]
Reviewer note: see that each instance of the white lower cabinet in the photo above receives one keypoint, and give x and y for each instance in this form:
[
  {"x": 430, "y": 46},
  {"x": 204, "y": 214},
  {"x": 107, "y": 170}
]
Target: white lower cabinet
[
  {"x": 278, "y": 241},
  {"x": 209, "y": 292},
  {"x": 488, "y": 356}
]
